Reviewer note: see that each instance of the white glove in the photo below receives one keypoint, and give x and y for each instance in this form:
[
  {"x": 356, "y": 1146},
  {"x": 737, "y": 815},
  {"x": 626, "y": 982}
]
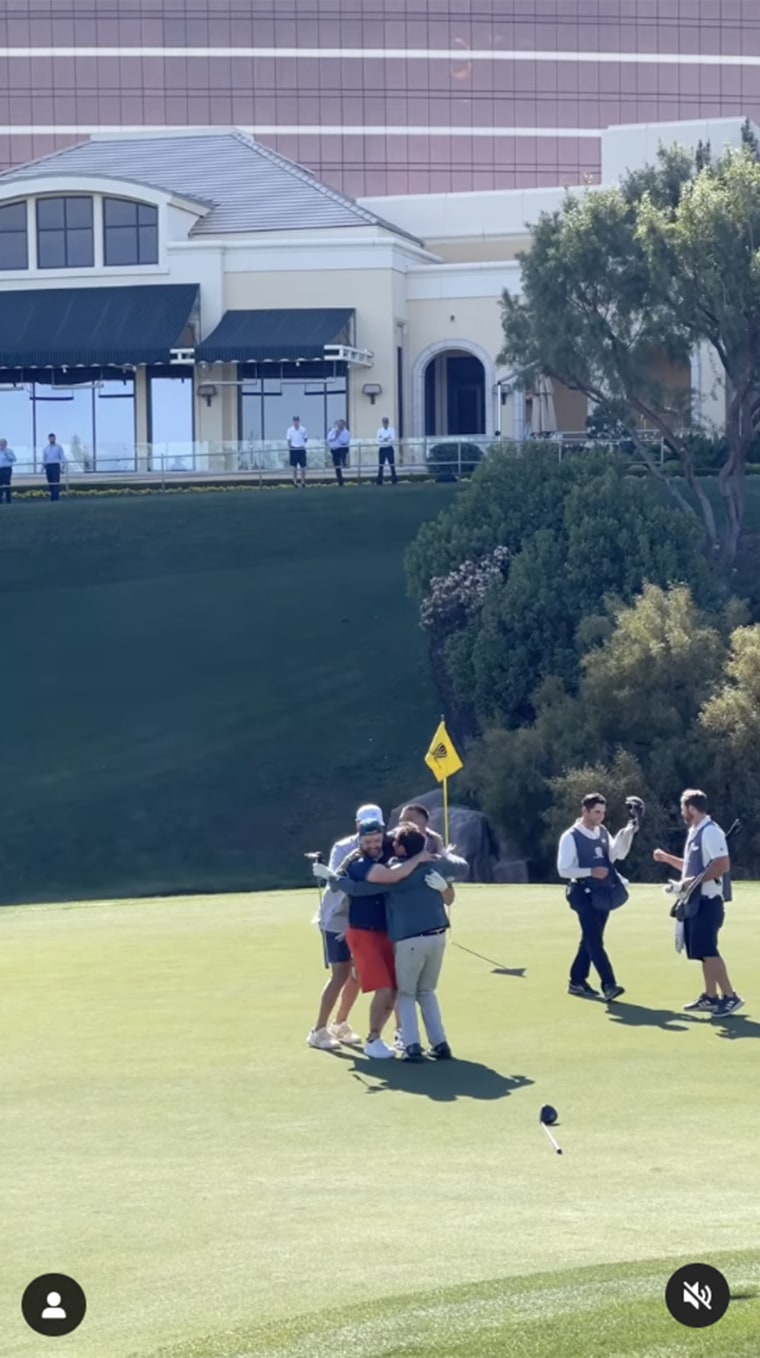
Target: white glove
[
  {"x": 436, "y": 881},
  {"x": 321, "y": 871}
]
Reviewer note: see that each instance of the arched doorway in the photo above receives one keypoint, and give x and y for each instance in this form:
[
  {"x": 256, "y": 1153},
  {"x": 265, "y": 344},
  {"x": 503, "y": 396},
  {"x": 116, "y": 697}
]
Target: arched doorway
[
  {"x": 453, "y": 386},
  {"x": 455, "y": 395}
]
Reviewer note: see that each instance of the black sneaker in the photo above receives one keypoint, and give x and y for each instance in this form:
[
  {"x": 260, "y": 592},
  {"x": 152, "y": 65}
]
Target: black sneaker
[
  {"x": 613, "y": 992},
  {"x": 413, "y": 1052},
  {"x": 584, "y": 991},
  {"x": 442, "y": 1052},
  {"x": 706, "y": 1004},
  {"x": 731, "y": 1005}
]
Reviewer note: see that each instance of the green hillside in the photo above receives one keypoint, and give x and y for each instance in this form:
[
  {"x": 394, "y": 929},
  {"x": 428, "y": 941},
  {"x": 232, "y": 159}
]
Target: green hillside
[{"x": 199, "y": 688}]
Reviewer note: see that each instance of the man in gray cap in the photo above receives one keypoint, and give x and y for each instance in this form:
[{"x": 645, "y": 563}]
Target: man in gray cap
[{"x": 332, "y": 919}]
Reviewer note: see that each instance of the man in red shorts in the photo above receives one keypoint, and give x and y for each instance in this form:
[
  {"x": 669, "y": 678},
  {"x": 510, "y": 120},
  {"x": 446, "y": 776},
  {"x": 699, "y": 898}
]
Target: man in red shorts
[{"x": 367, "y": 935}]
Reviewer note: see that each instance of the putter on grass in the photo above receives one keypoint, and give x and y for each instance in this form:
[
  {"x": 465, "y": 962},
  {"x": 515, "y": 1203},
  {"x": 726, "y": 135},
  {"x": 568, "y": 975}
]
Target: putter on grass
[{"x": 547, "y": 1117}]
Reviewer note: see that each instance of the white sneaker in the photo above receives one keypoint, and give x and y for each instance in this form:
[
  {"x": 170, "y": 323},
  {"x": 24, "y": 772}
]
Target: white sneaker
[
  {"x": 345, "y": 1033},
  {"x": 378, "y": 1050},
  {"x": 323, "y": 1040},
  {"x": 398, "y": 1042}
]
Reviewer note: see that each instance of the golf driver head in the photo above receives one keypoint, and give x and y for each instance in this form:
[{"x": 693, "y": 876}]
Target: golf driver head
[{"x": 548, "y": 1115}]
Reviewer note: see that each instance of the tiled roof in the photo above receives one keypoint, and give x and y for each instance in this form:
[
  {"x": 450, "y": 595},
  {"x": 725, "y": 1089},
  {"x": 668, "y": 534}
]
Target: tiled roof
[{"x": 247, "y": 186}]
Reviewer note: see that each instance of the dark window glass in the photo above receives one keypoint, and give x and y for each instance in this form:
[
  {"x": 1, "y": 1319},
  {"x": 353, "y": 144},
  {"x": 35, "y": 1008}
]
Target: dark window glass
[
  {"x": 65, "y": 234},
  {"x": 78, "y": 212},
  {"x": 79, "y": 249},
  {"x": 147, "y": 241},
  {"x": 51, "y": 250},
  {"x": 50, "y": 214},
  {"x": 13, "y": 247},
  {"x": 118, "y": 212},
  {"x": 131, "y": 232}
]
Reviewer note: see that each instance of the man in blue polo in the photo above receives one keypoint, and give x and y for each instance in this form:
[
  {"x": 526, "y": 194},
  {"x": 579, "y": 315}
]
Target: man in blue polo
[{"x": 586, "y": 858}]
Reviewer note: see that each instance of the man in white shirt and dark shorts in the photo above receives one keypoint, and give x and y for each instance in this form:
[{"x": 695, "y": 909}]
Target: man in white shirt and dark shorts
[
  {"x": 706, "y": 851},
  {"x": 297, "y": 440}
]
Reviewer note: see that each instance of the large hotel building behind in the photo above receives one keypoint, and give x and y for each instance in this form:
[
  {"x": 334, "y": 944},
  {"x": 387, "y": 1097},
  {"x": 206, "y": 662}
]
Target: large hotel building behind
[
  {"x": 216, "y": 214},
  {"x": 379, "y": 97}
]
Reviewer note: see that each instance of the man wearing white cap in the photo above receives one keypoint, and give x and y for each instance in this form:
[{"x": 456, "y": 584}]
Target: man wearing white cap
[{"x": 333, "y": 922}]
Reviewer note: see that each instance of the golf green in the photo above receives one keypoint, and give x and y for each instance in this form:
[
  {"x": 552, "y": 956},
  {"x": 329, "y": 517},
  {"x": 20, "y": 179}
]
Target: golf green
[{"x": 222, "y": 1191}]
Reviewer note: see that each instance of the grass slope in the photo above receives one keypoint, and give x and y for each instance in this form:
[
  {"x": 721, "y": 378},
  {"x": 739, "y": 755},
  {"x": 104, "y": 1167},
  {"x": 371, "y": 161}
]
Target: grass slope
[
  {"x": 199, "y": 688},
  {"x": 221, "y": 1191}
]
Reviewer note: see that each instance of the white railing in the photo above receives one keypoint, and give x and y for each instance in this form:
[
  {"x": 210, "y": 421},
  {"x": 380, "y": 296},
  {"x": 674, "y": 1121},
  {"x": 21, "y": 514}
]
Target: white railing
[{"x": 268, "y": 462}]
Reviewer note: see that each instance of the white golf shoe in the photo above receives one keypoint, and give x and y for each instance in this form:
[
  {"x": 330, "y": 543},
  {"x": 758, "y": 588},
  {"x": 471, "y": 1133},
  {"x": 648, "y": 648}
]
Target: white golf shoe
[
  {"x": 322, "y": 1040},
  {"x": 344, "y": 1033},
  {"x": 378, "y": 1050}
]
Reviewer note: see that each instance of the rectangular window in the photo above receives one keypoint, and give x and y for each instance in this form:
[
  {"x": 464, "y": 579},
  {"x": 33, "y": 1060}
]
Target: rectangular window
[
  {"x": 13, "y": 243},
  {"x": 65, "y": 238},
  {"x": 130, "y": 233}
]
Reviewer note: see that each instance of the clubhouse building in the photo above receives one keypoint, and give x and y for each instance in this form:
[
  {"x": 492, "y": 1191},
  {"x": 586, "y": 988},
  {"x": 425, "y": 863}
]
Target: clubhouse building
[{"x": 173, "y": 299}]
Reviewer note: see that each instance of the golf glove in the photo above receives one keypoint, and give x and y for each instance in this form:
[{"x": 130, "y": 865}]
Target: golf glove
[
  {"x": 436, "y": 881},
  {"x": 321, "y": 872}
]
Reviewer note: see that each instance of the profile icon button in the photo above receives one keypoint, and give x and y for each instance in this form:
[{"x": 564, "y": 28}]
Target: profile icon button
[
  {"x": 54, "y": 1304},
  {"x": 697, "y": 1296}
]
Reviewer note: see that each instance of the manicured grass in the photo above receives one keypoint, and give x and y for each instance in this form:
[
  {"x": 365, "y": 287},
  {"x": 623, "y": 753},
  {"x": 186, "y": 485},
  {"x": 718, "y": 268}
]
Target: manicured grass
[
  {"x": 197, "y": 689},
  {"x": 221, "y": 1191}
]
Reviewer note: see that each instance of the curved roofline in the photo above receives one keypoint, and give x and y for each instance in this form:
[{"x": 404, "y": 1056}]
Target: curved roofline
[{"x": 24, "y": 182}]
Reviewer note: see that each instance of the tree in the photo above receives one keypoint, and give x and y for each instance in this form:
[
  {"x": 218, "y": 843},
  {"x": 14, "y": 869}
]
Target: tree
[
  {"x": 633, "y": 727},
  {"x": 578, "y": 532},
  {"x": 730, "y": 724},
  {"x": 656, "y": 267}
]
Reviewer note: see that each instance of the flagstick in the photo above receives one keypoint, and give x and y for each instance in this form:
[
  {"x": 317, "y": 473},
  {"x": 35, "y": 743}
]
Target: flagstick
[{"x": 446, "y": 830}]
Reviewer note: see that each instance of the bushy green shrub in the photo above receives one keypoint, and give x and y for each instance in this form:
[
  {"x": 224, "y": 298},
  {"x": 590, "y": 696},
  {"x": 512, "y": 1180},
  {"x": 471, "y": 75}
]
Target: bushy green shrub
[{"x": 454, "y": 459}]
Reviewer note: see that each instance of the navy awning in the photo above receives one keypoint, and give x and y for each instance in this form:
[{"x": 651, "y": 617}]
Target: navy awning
[
  {"x": 275, "y": 336},
  {"x": 93, "y": 327}
]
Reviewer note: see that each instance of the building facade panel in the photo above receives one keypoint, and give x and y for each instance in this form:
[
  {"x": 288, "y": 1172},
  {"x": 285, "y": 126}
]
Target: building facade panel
[{"x": 379, "y": 96}]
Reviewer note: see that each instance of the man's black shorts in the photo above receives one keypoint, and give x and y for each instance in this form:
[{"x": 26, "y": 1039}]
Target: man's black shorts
[
  {"x": 298, "y": 457},
  {"x": 701, "y": 931}
]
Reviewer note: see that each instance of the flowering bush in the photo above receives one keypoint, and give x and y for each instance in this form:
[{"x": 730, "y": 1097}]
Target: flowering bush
[{"x": 454, "y": 598}]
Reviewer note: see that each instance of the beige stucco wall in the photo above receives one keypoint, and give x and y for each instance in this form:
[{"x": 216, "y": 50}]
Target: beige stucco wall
[
  {"x": 478, "y": 249},
  {"x": 371, "y": 293}
]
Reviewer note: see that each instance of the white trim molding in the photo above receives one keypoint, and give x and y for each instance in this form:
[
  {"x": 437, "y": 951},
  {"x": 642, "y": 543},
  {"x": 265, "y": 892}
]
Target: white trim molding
[
  {"x": 460, "y": 56},
  {"x": 421, "y": 362}
]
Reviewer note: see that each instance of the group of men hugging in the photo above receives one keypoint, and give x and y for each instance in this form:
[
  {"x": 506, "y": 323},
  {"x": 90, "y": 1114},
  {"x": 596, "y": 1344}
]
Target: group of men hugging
[{"x": 384, "y": 918}]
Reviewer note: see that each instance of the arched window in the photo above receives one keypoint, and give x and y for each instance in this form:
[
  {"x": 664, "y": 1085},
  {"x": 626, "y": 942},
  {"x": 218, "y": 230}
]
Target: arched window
[{"x": 13, "y": 243}]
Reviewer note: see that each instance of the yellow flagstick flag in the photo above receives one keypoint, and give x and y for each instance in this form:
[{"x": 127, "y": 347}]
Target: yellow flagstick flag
[{"x": 443, "y": 760}]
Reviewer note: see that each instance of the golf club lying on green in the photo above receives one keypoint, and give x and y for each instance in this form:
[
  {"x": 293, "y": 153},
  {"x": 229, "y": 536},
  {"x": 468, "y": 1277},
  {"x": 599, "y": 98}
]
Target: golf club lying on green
[{"x": 547, "y": 1117}]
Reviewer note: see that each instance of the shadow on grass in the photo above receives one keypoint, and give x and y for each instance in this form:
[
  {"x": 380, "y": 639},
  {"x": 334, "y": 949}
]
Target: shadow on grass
[
  {"x": 498, "y": 969},
  {"x": 735, "y": 1026},
  {"x": 441, "y": 1081},
  {"x": 638, "y": 1016}
]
